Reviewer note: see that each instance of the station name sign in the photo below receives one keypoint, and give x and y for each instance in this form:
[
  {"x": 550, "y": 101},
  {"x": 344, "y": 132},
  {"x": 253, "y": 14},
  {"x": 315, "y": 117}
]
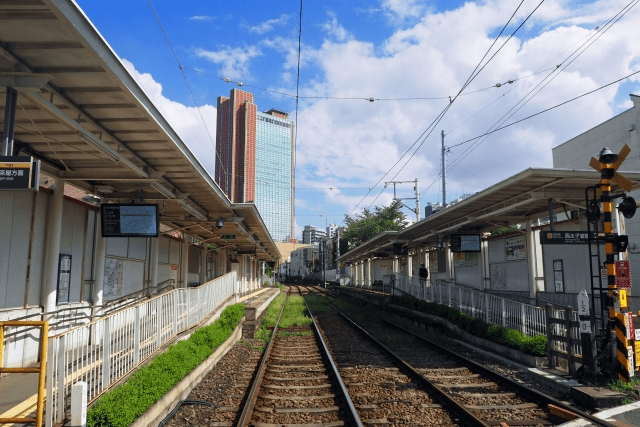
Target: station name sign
[
  {"x": 566, "y": 237},
  {"x": 17, "y": 173}
]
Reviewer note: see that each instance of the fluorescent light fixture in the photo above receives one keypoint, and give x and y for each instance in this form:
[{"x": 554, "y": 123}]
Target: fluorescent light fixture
[
  {"x": 163, "y": 190},
  {"x": 193, "y": 211}
]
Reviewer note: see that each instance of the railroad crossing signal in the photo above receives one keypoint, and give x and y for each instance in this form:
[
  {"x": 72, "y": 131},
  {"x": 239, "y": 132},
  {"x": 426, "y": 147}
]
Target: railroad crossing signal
[
  {"x": 607, "y": 164},
  {"x": 612, "y": 166}
]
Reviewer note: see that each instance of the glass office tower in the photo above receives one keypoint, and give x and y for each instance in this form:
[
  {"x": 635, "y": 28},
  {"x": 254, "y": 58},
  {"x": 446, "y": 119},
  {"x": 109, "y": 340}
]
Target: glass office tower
[{"x": 274, "y": 173}]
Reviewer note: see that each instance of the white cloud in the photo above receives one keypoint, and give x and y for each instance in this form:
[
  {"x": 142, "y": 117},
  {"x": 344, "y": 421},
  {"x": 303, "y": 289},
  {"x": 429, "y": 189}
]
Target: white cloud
[
  {"x": 333, "y": 28},
  {"x": 202, "y": 18},
  {"x": 403, "y": 8},
  {"x": 234, "y": 62},
  {"x": 356, "y": 142},
  {"x": 268, "y": 25},
  {"x": 186, "y": 121}
]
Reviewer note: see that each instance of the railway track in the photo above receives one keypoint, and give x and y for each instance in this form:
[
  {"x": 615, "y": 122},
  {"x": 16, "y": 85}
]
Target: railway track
[
  {"x": 297, "y": 384},
  {"x": 476, "y": 394}
]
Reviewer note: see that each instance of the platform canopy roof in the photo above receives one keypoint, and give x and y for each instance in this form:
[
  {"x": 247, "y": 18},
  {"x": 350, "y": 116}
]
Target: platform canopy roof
[
  {"x": 84, "y": 116},
  {"x": 515, "y": 200}
]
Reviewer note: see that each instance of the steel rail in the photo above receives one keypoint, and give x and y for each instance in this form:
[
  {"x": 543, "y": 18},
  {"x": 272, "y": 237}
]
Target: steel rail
[
  {"x": 444, "y": 397},
  {"x": 353, "y": 414},
  {"x": 247, "y": 411},
  {"x": 507, "y": 382},
  {"x": 521, "y": 388}
]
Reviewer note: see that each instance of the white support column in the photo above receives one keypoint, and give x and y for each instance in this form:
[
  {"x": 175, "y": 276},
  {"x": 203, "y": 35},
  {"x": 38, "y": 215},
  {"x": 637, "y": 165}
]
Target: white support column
[
  {"x": 449, "y": 255},
  {"x": 484, "y": 258},
  {"x": 531, "y": 261},
  {"x": 184, "y": 265},
  {"x": 54, "y": 229},
  {"x": 361, "y": 271},
  {"x": 98, "y": 267},
  {"x": 409, "y": 266},
  {"x": 153, "y": 263},
  {"x": 369, "y": 278}
]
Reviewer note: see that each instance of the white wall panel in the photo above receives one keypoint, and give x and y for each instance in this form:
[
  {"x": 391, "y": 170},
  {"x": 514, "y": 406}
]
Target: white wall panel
[
  {"x": 138, "y": 248},
  {"x": 19, "y": 256},
  {"x": 133, "y": 277},
  {"x": 74, "y": 218},
  {"x": 174, "y": 252},
  {"x": 88, "y": 246},
  {"x": 496, "y": 251},
  {"x": 163, "y": 250},
  {"x": 471, "y": 276},
  {"x": 117, "y": 246},
  {"x": 166, "y": 272}
]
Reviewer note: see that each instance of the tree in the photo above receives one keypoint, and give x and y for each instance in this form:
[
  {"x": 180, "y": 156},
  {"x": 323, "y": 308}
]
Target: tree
[{"x": 368, "y": 224}]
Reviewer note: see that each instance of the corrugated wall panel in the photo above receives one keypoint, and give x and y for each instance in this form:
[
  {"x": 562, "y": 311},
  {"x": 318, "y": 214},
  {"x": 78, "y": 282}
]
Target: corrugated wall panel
[
  {"x": 6, "y": 212},
  {"x": 77, "y": 251},
  {"x": 163, "y": 250},
  {"x": 38, "y": 248},
  {"x": 19, "y": 246},
  {"x": 138, "y": 248}
]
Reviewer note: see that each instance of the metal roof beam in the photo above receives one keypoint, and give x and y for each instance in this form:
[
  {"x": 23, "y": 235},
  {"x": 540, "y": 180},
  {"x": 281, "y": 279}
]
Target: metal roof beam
[{"x": 87, "y": 135}]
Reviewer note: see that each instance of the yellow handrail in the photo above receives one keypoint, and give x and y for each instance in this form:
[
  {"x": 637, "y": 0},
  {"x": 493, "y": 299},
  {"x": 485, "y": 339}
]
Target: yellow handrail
[{"x": 40, "y": 370}]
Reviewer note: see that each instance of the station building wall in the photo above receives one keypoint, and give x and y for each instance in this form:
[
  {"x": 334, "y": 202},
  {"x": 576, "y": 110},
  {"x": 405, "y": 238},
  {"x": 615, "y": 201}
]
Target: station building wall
[{"x": 508, "y": 270}]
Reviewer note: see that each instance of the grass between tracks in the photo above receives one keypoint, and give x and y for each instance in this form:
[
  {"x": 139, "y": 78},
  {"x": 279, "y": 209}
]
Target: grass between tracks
[
  {"x": 121, "y": 406},
  {"x": 295, "y": 313}
]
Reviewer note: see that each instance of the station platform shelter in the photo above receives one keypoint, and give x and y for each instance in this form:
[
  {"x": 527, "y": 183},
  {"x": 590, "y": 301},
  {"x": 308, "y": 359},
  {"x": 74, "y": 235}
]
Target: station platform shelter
[
  {"x": 511, "y": 270},
  {"x": 93, "y": 137}
]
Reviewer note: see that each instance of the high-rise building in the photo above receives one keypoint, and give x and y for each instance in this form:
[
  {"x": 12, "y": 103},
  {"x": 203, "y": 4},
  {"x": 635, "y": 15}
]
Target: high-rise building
[
  {"x": 274, "y": 173},
  {"x": 254, "y": 160},
  {"x": 236, "y": 146}
]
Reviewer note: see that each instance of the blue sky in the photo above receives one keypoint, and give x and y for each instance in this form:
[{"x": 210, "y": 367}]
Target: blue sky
[{"x": 381, "y": 49}]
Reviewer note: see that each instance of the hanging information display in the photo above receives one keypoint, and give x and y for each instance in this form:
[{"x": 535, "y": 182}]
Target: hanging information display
[
  {"x": 465, "y": 243},
  {"x": 129, "y": 220}
]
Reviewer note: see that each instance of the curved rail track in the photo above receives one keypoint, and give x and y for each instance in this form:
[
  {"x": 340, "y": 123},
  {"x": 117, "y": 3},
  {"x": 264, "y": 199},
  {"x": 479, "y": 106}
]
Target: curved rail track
[{"x": 476, "y": 394}]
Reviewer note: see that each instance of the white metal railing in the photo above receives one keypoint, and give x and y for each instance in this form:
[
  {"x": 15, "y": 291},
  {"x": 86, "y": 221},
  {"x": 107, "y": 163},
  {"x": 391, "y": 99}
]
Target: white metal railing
[
  {"x": 102, "y": 352},
  {"x": 528, "y": 319}
]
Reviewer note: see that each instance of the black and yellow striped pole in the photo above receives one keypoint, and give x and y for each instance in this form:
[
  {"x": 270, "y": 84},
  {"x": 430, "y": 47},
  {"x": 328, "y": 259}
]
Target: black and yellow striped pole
[{"x": 617, "y": 318}]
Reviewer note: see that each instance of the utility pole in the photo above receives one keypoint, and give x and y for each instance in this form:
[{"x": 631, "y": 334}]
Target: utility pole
[
  {"x": 415, "y": 188},
  {"x": 444, "y": 173},
  {"x": 400, "y": 199}
]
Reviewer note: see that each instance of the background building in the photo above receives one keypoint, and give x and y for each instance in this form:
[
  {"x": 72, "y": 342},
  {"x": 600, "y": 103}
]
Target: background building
[
  {"x": 236, "y": 146},
  {"x": 311, "y": 234},
  {"x": 274, "y": 181},
  {"x": 254, "y": 160}
]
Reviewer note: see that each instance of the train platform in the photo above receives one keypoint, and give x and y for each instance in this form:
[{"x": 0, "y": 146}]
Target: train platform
[{"x": 19, "y": 391}]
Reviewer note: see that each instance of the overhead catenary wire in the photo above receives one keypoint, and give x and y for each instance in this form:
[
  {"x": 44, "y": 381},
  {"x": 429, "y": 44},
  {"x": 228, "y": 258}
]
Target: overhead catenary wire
[
  {"x": 360, "y": 98},
  {"x": 548, "y": 109},
  {"x": 473, "y": 75},
  {"x": 600, "y": 30}
]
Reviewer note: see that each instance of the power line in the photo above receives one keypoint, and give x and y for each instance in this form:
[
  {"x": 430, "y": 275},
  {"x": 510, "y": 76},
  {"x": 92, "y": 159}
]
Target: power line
[
  {"x": 295, "y": 138},
  {"x": 473, "y": 75},
  {"x": 601, "y": 29},
  {"x": 548, "y": 109},
  {"x": 188, "y": 85},
  {"x": 357, "y": 98}
]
